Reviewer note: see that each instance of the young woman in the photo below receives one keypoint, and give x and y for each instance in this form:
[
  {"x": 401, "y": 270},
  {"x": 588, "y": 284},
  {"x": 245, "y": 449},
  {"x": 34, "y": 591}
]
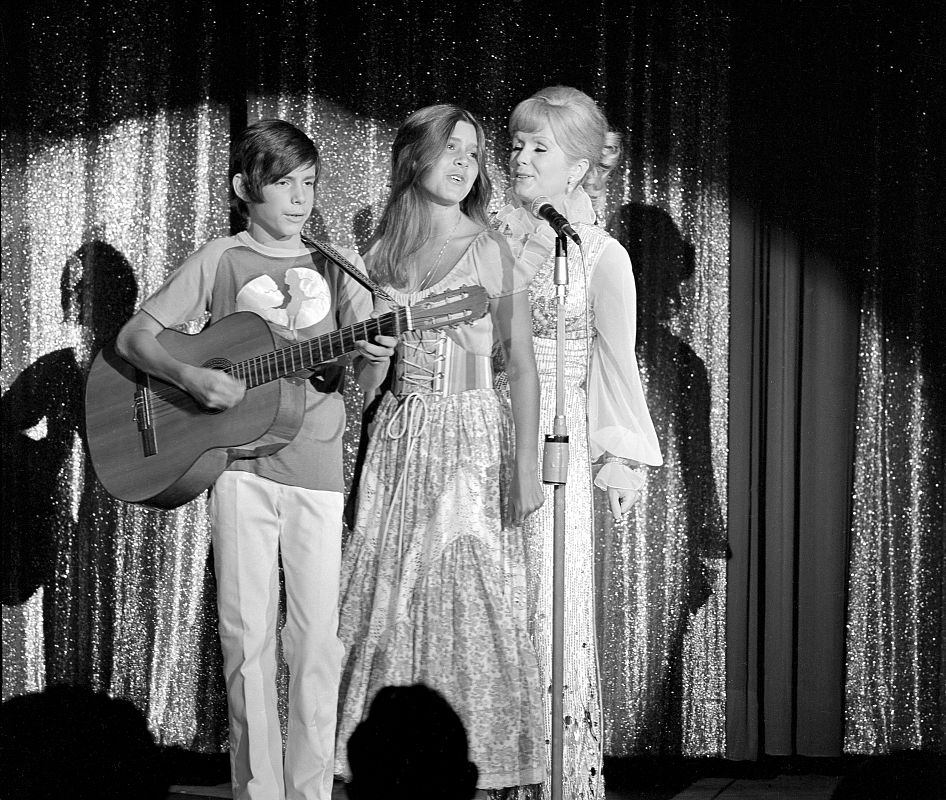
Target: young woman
[
  {"x": 433, "y": 577},
  {"x": 557, "y": 134}
]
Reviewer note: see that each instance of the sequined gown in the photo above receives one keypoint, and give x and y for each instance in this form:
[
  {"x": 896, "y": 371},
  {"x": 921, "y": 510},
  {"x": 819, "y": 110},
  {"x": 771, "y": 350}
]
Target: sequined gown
[
  {"x": 433, "y": 582},
  {"x": 605, "y": 413}
]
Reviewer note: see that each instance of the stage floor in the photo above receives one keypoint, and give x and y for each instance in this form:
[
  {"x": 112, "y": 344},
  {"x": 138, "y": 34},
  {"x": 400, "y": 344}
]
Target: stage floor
[
  {"x": 899, "y": 776},
  {"x": 781, "y": 787}
]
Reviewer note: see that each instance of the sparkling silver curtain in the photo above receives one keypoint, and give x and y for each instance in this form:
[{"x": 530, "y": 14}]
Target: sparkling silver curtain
[
  {"x": 123, "y": 597},
  {"x": 895, "y": 697},
  {"x": 896, "y": 661},
  {"x": 115, "y": 146},
  {"x": 661, "y": 577},
  {"x": 114, "y": 168}
]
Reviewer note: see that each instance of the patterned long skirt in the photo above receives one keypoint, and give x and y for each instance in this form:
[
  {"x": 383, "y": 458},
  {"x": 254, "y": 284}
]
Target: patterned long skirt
[{"x": 433, "y": 582}]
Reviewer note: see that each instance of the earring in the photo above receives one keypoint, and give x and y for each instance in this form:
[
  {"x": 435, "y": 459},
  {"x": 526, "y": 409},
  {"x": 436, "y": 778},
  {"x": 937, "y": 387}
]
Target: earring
[{"x": 568, "y": 186}]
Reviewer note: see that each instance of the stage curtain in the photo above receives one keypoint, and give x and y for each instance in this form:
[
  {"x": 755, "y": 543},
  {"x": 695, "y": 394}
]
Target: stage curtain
[
  {"x": 799, "y": 397},
  {"x": 835, "y": 608},
  {"x": 115, "y": 152},
  {"x": 895, "y": 692},
  {"x": 793, "y": 372},
  {"x": 117, "y": 123},
  {"x": 661, "y": 75}
]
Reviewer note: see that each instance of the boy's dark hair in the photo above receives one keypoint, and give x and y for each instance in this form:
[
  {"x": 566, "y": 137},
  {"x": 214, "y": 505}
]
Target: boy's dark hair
[
  {"x": 265, "y": 152},
  {"x": 411, "y": 746}
]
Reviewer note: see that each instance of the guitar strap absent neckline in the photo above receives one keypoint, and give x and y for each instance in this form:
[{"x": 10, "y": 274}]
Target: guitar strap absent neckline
[{"x": 333, "y": 255}]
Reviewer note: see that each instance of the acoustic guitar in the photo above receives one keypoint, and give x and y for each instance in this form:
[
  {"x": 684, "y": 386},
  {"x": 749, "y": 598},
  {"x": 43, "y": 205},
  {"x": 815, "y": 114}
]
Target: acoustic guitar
[{"x": 153, "y": 444}]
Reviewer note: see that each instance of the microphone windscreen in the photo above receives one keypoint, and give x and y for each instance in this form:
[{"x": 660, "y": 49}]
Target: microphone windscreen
[{"x": 539, "y": 201}]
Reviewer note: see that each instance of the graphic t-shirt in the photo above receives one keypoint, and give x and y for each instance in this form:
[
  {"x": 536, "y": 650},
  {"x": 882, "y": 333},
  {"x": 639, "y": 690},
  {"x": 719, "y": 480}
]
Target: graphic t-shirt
[{"x": 300, "y": 295}]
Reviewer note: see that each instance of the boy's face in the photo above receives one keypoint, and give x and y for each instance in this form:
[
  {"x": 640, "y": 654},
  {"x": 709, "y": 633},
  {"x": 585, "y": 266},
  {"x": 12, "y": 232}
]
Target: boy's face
[{"x": 287, "y": 204}]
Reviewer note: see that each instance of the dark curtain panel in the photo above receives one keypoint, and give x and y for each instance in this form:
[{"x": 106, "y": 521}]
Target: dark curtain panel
[
  {"x": 835, "y": 622},
  {"x": 792, "y": 430}
]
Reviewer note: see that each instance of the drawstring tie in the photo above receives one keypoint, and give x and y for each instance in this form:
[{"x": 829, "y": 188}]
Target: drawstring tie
[{"x": 421, "y": 370}]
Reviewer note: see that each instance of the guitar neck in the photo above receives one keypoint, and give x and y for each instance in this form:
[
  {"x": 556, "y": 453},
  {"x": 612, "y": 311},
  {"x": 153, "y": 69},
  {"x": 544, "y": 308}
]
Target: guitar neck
[{"x": 305, "y": 355}]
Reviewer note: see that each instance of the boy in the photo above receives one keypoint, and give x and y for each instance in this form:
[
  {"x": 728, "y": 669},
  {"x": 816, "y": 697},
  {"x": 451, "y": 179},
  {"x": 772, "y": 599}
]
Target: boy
[{"x": 288, "y": 502}]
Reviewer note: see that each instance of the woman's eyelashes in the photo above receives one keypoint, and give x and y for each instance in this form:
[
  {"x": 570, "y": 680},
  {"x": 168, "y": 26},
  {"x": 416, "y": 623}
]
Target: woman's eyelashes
[{"x": 471, "y": 154}]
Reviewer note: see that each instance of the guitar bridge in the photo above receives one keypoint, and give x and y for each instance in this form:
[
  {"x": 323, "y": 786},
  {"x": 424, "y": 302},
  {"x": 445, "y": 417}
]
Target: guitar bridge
[{"x": 143, "y": 417}]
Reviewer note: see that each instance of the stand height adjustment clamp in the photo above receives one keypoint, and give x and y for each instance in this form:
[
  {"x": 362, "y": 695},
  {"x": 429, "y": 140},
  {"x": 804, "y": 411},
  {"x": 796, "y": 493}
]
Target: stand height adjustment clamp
[{"x": 555, "y": 458}]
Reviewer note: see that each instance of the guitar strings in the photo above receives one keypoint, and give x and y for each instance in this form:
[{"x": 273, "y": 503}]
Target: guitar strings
[
  {"x": 270, "y": 366},
  {"x": 261, "y": 367}
]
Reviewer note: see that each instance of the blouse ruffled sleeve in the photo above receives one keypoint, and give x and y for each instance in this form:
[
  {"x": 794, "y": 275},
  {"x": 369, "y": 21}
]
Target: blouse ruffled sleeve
[
  {"x": 530, "y": 240},
  {"x": 497, "y": 270},
  {"x": 619, "y": 423}
]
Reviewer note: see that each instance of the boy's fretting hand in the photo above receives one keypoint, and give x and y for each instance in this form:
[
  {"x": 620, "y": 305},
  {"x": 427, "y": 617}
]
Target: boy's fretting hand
[{"x": 379, "y": 352}]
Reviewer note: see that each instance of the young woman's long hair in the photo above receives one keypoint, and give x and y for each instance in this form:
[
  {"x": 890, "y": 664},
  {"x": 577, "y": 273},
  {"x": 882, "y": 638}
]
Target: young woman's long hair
[{"x": 404, "y": 224}]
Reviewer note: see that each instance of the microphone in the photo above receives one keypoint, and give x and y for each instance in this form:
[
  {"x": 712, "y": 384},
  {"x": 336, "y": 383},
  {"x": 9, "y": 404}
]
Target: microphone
[{"x": 543, "y": 209}]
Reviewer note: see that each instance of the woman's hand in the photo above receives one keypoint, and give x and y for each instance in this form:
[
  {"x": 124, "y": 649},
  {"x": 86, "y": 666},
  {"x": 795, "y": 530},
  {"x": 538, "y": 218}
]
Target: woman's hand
[
  {"x": 525, "y": 494},
  {"x": 620, "y": 501}
]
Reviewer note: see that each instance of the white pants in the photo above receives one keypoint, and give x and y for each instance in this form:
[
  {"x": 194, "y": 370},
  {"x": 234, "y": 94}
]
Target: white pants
[{"x": 255, "y": 519}]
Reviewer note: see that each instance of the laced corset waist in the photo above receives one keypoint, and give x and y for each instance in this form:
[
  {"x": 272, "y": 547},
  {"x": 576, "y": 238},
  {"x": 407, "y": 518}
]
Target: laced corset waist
[{"x": 433, "y": 363}]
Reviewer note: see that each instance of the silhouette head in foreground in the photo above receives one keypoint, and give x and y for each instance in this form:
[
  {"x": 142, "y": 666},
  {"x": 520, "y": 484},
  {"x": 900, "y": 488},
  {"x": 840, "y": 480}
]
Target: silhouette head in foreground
[
  {"x": 70, "y": 741},
  {"x": 412, "y": 744}
]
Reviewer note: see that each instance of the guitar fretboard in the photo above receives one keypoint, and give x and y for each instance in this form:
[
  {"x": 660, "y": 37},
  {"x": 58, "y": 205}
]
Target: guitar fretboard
[{"x": 305, "y": 355}]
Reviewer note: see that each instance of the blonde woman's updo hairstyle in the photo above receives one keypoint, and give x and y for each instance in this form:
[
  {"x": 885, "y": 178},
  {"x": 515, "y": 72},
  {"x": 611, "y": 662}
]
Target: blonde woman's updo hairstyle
[
  {"x": 405, "y": 223},
  {"x": 576, "y": 121},
  {"x": 598, "y": 176}
]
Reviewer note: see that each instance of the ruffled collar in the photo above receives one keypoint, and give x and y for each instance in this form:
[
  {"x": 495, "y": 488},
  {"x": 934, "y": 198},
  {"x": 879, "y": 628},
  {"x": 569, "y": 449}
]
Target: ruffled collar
[{"x": 518, "y": 220}]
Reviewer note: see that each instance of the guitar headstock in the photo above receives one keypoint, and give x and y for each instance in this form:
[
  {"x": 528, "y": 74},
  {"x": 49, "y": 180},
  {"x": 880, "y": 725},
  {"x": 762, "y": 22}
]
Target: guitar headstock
[{"x": 453, "y": 307}]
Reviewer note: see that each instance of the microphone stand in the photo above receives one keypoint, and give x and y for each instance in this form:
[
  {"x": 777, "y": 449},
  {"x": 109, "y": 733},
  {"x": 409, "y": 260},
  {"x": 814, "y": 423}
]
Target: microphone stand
[{"x": 555, "y": 471}]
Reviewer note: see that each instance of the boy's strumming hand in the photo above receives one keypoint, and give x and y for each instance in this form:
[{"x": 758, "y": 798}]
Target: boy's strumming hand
[{"x": 213, "y": 389}]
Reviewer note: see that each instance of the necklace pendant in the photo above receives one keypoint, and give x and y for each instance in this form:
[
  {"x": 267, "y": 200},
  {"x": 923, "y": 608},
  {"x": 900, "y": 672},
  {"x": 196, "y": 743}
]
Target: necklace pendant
[{"x": 432, "y": 271}]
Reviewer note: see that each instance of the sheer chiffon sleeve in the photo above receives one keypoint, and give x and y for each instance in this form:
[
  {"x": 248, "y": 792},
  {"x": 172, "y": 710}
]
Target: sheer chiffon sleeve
[
  {"x": 530, "y": 240},
  {"x": 619, "y": 424},
  {"x": 497, "y": 268}
]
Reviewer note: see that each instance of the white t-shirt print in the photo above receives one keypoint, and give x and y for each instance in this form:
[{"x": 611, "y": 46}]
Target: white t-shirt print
[{"x": 309, "y": 300}]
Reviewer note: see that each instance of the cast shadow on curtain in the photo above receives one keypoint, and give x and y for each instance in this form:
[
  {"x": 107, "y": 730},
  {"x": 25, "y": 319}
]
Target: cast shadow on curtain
[
  {"x": 43, "y": 545},
  {"x": 682, "y": 493}
]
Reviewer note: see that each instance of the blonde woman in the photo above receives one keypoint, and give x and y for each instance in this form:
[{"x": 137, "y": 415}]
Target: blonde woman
[{"x": 557, "y": 135}]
